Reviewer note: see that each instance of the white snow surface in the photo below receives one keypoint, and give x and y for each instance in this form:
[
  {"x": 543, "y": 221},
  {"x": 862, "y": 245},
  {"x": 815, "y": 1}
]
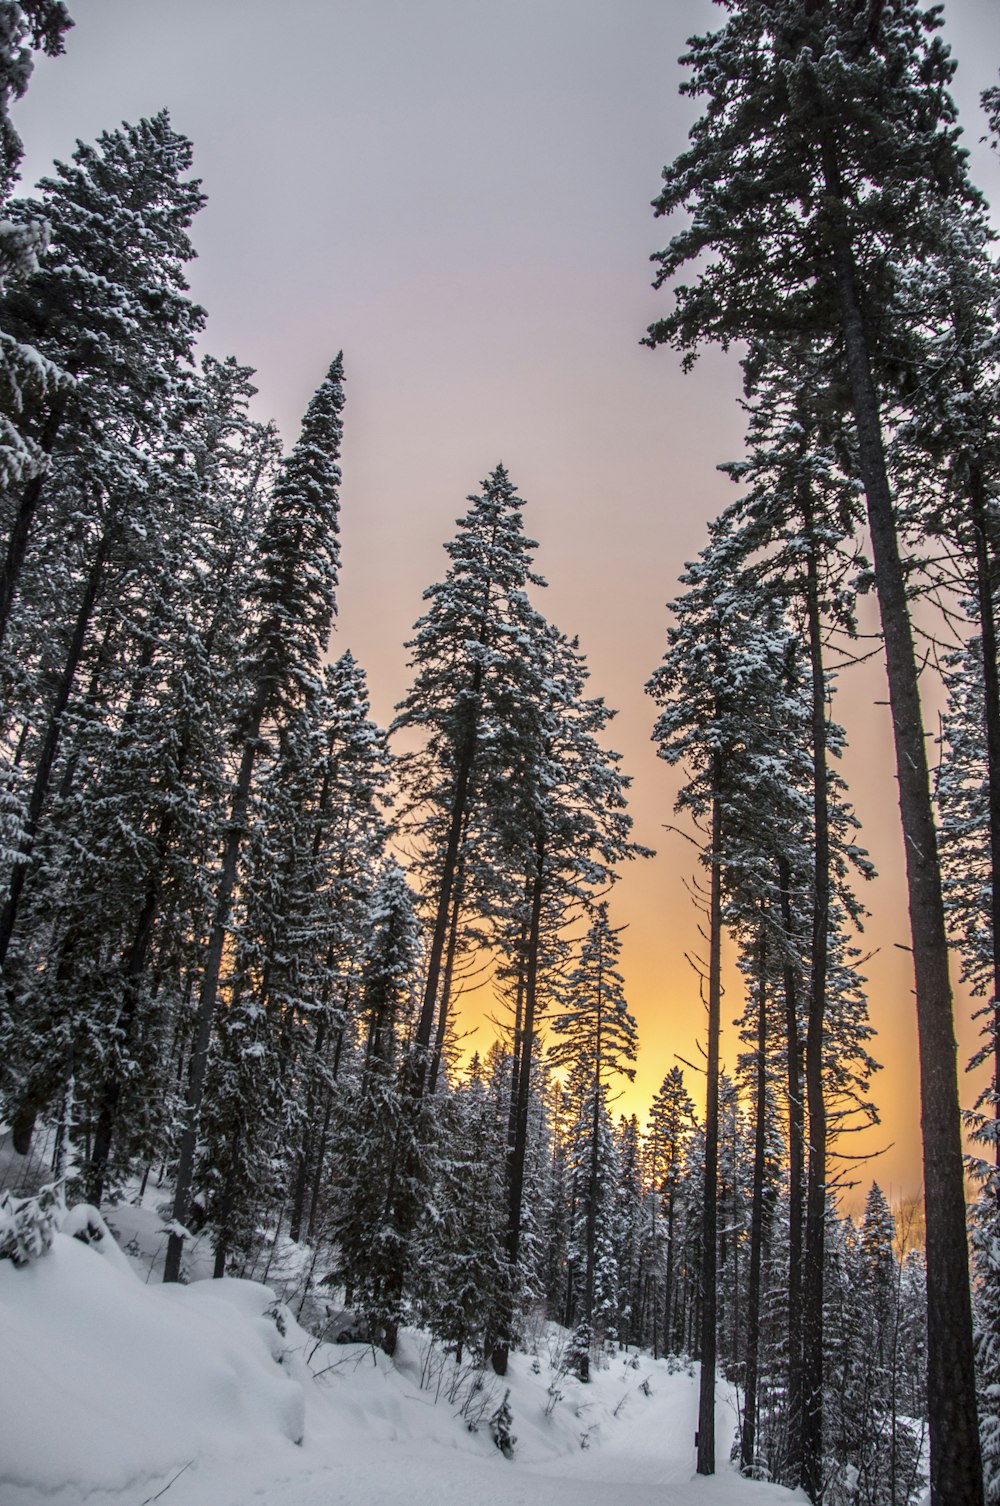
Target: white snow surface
[{"x": 115, "y": 1392}]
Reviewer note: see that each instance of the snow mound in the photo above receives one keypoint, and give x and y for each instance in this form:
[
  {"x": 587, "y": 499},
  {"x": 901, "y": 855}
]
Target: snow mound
[
  {"x": 107, "y": 1383},
  {"x": 115, "y": 1391}
]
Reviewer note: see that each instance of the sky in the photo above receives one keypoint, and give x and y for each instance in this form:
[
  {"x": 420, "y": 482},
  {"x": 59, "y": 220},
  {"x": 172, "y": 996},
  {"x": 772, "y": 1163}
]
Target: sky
[{"x": 457, "y": 194}]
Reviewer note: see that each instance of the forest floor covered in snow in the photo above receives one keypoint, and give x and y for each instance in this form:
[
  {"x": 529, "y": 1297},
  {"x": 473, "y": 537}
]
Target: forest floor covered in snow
[{"x": 118, "y": 1391}]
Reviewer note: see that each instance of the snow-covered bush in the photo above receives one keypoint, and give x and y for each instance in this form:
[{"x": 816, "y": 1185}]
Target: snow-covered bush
[
  {"x": 500, "y": 1427},
  {"x": 28, "y": 1224}
]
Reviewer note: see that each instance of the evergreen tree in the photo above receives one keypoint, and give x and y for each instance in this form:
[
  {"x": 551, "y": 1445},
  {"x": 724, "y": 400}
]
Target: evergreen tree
[
  {"x": 293, "y": 601},
  {"x": 27, "y": 379},
  {"x": 671, "y": 1121},
  {"x": 843, "y": 111},
  {"x": 597, "y": 1042},
  {"x": 468, "y": 661},
  {"x": 381, "y": 1148},
  {"x": 460, "y": 1269}
]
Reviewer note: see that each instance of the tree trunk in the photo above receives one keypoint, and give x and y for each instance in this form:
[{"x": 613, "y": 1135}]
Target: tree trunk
[
  {"x": 50, "y": 742},
  {"x": 815, "y": 1230},
  {"x": 956, "y": 1465},
  {"x": 515, "y": 1185},
  {"x": 991, "y": 718},
  {"x": 208, "y": 996},
  {"x": 709, "y": 1215},
  {"x": 17, "y": 544},
  {"x": 748, "y": 1439},
  {"x": 796, "y": 1148},
  {"x": 449, "y": 969},
  {"x": 456, "y": 826}
]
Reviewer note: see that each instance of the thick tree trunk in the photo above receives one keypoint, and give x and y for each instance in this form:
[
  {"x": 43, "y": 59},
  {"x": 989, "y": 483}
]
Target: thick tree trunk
[
  {"x": 956, "y": 1465},
  {"x": 709, "y": 1215}
]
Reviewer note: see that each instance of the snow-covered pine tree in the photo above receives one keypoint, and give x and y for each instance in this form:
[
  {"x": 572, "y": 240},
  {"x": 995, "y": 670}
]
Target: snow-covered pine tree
[
  {"x": 467, "y": 656},
  {"x": 634, "y": 1250},
  {"x": 348, "y": 844},
  {"x": 114, "y": 913},
  {"x": 88, "y": 308},
  {"x": 27, "y": 379},
  {"x": 946, "y": 456},
  {"x": 596, "y": 1042},
  {"x": 729, "y": 715},
  {"x": 381, "y": 1148},
  {"x": 563, "y": 827},
  {"x": 843, "y": 109},
  {"x": 460, "y": 1270},
  {"x": 293, "y": 602},
  {"x": 668, "y": 1131},
  {"x": 794, "y": 526},
  {"x": 985, "y": 1227},
  {"x": 876, "y": 1441}
]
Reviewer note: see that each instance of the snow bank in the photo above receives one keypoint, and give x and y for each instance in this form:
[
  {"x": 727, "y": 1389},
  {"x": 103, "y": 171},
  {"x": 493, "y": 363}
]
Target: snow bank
[
  {"x": 114, "y": 1392},
  {"x": 106, "y": 1382}
]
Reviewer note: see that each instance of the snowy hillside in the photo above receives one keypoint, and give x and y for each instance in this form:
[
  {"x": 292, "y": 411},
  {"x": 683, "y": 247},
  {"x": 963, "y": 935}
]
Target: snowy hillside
[{"x": 111, "y": 1387}]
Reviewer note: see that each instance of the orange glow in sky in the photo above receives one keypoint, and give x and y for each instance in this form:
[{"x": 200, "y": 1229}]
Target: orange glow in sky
[{"x": 457, "y": 194}]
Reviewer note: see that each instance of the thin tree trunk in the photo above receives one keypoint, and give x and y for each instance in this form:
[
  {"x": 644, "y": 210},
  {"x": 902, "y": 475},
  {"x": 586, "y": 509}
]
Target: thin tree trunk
[
  {"x": 956, "y": 1462},
  {"x": 318, "y": 1169},
  {"x": 991, "y": 718},
  {"x": 593, "y": 1186},
  {"x": 449, "y": 969},
  {"x": 815, "y": 1229},
  {"x": 50, "y": 742},
  {"x": 302, "y": 1170},
  {"x": 456, "y": 826},
  {"x": 17, "y": 544},
  {"x": 515, "y": 1186},
  {"x": 709, "y": 1215},
  {"x": 796, "y": 1147},
  {"x": 226, "y": 1211},
  {"x": 748, "y": 1438},
  {"x": 668, "y": 1296},
  {"x": 208, "y": 996}
]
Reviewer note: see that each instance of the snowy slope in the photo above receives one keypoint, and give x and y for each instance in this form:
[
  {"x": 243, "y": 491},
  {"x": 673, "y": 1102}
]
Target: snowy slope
[{"x": 109, "y": 1388}]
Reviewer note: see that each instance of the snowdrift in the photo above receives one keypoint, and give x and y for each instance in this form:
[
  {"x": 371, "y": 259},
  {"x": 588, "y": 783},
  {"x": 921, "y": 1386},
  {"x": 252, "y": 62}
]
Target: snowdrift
[
  {"x": 107, "y": 1383},
  {"x": 115, "y": 1392}
]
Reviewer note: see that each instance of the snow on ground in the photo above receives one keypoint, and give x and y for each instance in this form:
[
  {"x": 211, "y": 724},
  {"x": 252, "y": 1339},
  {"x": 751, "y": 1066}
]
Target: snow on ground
[{"x": 115, "y": 1392}]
